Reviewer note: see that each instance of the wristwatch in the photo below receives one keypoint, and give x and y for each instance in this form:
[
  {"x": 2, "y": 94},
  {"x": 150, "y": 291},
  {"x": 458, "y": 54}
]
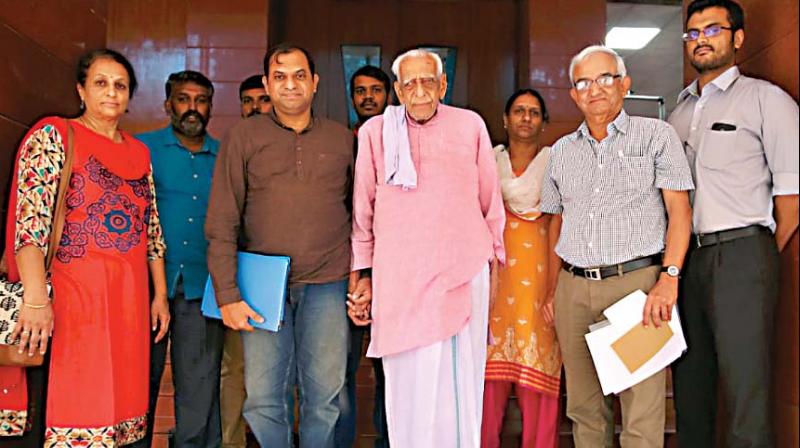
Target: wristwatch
[{"x": 671, "y": 270}]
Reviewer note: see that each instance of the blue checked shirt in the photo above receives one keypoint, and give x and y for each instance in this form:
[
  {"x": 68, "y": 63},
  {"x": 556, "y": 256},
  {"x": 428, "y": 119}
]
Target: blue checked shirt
[
  {"x": 609, "y": 192},
  {"x": 183, "y": 180}
]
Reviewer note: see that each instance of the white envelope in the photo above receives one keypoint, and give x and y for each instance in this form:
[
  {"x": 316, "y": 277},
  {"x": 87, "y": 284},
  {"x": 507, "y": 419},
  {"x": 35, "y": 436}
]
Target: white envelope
[{"x": 622, "y": 317}]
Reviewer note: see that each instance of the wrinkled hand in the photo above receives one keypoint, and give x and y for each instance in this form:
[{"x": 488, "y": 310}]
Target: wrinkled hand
[
  {"x": 236, "y": 316},
  {"x": 359, "y": 299},
  {"x": 159, "y": 316},
  {"x": 660, "y": 301},
  {"x": 35, "y": 326}
]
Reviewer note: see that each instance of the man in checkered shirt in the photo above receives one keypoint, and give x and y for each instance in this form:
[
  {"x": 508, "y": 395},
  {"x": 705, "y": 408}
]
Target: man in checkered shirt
[{"x": 618, "y": 190}]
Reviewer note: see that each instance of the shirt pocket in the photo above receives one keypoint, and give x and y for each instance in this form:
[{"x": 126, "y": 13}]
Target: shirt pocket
[
  {"x": 633, "y": 174},
  {"x": 331, "y": 167},
  {"x": 268, "y": 164},
  {"x": 717, "y": 150}
]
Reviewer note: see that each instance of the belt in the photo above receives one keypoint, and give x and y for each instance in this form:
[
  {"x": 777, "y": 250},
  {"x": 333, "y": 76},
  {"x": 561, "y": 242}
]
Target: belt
[
  {"x": 613, "y": 270},
  {"x": 710, "y": 239}
]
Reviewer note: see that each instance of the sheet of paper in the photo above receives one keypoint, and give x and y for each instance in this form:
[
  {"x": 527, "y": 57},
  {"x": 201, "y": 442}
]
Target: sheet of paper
[{"x": 623, "y": 316}]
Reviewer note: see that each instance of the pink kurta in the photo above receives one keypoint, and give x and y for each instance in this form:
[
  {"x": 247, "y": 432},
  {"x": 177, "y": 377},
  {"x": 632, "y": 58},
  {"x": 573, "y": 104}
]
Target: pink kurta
[{"x": 425, "y": 245}]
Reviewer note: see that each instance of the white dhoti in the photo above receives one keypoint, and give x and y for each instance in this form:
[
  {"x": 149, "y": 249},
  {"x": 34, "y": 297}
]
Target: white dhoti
[{"x": 434, "y": 394}]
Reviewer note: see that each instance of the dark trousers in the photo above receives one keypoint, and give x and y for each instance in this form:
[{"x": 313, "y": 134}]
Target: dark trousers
[
  {"x": 727, "y": 305},
  {"x": 196, "y": 355},
  {"x": 345, "y": 435}
]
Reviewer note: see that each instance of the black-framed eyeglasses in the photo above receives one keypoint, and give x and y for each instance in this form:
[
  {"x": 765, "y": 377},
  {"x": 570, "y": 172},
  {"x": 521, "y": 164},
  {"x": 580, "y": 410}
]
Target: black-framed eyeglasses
[
  {"x": 709, "y": 31},
  {"x": 605, "y": 80}
]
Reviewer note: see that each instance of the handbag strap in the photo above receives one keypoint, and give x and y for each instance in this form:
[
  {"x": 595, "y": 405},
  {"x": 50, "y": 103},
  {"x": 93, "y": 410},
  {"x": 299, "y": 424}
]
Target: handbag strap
[{"x": 57, "y": 226}]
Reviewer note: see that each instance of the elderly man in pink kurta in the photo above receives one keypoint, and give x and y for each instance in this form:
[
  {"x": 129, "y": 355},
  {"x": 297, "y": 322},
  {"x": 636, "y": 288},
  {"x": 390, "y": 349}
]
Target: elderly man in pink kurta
[{"x": 427, "y": 226}]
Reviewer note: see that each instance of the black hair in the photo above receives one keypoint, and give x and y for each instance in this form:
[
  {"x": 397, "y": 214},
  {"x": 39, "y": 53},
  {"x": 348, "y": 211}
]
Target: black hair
[
  {"x": 88, "y": 58},
  {"x": 280, "y": 49},
  {"x": 735, "y": 12},
  {"x": 188, "y": 76},
  {"x": 372, "y": 72},
  {"x": 537, "y": 95},
  {"x": 253, "y": 82}
]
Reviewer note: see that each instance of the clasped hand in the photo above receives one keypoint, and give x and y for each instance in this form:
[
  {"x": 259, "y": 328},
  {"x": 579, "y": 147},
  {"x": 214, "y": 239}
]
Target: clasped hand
[{"x": 359, "y": 298}]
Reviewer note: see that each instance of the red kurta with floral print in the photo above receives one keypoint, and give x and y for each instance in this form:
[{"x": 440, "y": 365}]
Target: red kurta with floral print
[{"x": 98, "y": 386}]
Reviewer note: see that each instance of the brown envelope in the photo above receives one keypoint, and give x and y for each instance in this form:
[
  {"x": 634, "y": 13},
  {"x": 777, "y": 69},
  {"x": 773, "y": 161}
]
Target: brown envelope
[{"x": 639, "y": 344}]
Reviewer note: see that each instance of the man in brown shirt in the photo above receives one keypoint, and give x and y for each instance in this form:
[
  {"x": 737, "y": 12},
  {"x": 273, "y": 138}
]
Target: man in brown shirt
[{"x": 281, "y": 186}]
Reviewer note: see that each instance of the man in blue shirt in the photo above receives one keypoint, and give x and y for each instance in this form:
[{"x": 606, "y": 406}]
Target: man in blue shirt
[{"x": 183, "y": 157}]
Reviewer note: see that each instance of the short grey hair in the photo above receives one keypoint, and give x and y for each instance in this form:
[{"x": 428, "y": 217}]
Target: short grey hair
[
  {"x": 578, "y": 58},
  {"x": 416, "y": 53}
]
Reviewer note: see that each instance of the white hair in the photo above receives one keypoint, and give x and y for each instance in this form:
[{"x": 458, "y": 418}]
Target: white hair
[
  {"x": 578, "y": 58},
  {"x": 416, "y": 53}
]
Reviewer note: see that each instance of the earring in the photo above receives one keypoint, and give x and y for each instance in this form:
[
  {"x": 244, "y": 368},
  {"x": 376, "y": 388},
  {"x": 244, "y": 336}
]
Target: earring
[{"x": 83, "y": 105}]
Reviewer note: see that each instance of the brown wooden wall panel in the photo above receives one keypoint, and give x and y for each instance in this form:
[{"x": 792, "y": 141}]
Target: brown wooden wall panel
[
  {"x": 225, "y": 41},
  {"x": 63, "y": 28},
  {"x": 775, "y": 62},
  {"x": 239, "y": 23},
  {"x": 33, "y": 82},
  {"x": 548, "y": 43},
  {"x": 226, "y": 64},
  {"x": 152, "y": 34},
  {"x": 11, "y": 132},
  {"x": 483, "y": 32},
  {"x": 766, "y": 23}
]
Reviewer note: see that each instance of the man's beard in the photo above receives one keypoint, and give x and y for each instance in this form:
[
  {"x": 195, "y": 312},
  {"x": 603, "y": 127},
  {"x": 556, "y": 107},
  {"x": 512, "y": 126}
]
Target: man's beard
[
  {"x": 190, "y": 129},
  {"x": 717, "y": 60}
]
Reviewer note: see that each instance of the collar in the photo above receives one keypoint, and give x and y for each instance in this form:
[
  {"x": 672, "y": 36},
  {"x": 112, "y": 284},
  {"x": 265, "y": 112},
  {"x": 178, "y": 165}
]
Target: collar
[
  {"x": 308, "y": 128},
  {"x": 433, "y": 120},
  {"x": 721, "y": 82},
  {"x": 170, "y": 139},
  {"x": 620, "y": 124}
]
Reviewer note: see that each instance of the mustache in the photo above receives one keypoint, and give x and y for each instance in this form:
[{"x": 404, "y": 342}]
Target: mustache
[
  {"x": 706, "y": 47},
  {"x": 368, "y": 102},
  {"x": 193, "y": 113}
]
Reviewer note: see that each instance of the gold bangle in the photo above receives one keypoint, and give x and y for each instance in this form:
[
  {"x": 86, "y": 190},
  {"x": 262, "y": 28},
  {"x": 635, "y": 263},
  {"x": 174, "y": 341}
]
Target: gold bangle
[{"x": 36, "y": 307}]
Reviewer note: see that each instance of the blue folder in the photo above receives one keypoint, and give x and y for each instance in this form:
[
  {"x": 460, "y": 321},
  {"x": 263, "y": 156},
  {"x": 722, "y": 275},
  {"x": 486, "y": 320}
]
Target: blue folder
[{"x": 262, "y": 282}]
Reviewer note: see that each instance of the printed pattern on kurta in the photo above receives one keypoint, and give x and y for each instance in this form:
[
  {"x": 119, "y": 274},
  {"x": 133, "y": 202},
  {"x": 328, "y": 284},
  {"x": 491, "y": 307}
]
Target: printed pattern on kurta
[
  {"x": 523, "y": 347},
  {"x": 99, "y": 277},
  {"x": 12, "y": 423},
  {"x": 40, "y": 163},
  {"x": 123, "y": 433}
]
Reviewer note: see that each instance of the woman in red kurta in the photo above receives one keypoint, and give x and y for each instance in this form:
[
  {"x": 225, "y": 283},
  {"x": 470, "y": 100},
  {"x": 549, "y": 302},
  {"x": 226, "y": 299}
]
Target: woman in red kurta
[{"x": 100, "y": 315}]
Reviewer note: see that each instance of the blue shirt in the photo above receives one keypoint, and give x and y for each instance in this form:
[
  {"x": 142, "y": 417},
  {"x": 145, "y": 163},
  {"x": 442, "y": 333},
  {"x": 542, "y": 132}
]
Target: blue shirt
[{"x": 183, "y": 181}]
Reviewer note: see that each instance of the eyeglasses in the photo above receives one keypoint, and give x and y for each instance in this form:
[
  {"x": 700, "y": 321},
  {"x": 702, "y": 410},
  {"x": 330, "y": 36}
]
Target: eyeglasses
[
  {"x": 603, "y": 81},
  {"x": 709, "y": 31},
  {"x": 427, "y": 83}
]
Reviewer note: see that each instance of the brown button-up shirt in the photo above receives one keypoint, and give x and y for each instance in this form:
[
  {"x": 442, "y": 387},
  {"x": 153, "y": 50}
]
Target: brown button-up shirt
[{"x": 279, "y": 192}]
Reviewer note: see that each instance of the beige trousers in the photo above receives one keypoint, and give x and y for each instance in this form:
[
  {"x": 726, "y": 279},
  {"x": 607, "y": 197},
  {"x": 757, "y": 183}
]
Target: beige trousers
[
  {"x": 580, "y": 302},
  {"x": 232, "y": 392}
]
